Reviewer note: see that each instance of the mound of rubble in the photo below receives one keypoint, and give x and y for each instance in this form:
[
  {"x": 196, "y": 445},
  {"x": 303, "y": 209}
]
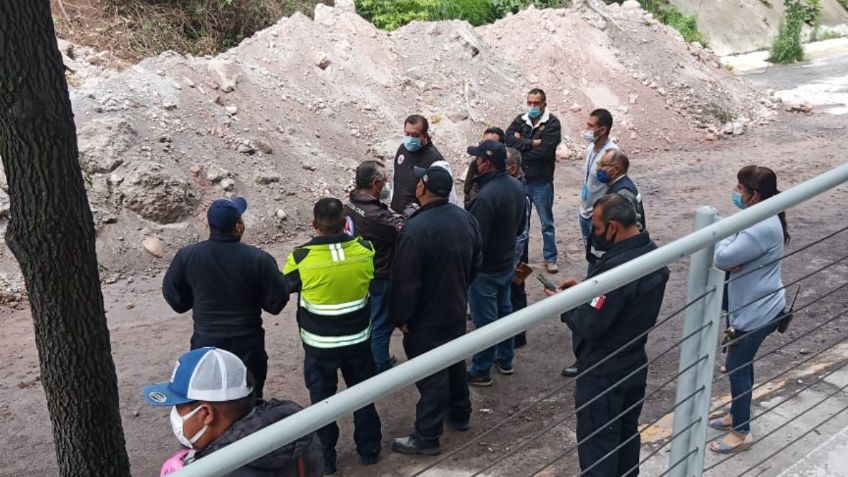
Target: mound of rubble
[{"x": 284, "y": 118}]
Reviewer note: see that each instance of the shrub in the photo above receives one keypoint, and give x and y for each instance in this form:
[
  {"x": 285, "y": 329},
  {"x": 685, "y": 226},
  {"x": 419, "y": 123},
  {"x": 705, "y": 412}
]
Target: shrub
[
  {"x": 787, "y": 47},
  {"x": 393, "y": 14}
]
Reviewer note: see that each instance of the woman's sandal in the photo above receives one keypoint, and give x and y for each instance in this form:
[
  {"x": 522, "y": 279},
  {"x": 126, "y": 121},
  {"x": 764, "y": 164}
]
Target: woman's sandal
[
  {"x": 722, "y": 447},
  {"x": 717, "y": 423}
]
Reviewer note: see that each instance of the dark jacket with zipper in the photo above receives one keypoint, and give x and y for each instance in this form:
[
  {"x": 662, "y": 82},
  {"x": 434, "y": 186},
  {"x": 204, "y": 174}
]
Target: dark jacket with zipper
[
  {"x": 372, "y": 220},
  {"x": 438, "y": 253},
  {"x": 601, "y": 327},
  {"x": 403, "y": 188},
  {"x": 301, "y": 458},
  {"x": 227, "y": 284},
  {"x": 499, "y": 210},
  {"x": 538, "y": 162},
  {"x": 626, "y": 187}
]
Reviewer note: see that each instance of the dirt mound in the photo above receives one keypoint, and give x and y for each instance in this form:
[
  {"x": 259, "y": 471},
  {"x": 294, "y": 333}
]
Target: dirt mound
[{"x": 285, "y": 117}]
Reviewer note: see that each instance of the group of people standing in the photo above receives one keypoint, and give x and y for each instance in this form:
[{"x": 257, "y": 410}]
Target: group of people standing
[{"x": 402, "y": 252}]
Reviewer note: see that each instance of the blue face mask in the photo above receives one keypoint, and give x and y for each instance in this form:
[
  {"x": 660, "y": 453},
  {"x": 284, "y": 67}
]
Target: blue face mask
[
  {"x": 411, "y": 144},
  {"x": 603, "y": 177},
  {"x": 534, "y": 112},
  {"x": 736, "y": 197}
]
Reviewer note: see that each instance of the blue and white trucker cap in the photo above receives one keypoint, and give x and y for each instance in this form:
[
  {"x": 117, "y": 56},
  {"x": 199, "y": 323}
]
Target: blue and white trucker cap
[{"x": 204, "y": 374}]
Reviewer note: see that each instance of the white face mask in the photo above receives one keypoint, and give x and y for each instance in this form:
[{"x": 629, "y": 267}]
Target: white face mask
[
  {"x": 588, "y": 136},
  {"x": 177, "y": 423}
]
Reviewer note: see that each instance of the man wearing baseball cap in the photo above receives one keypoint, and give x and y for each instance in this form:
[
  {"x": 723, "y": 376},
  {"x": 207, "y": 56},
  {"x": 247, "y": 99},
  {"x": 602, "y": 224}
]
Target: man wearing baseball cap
[
  {"x": 499, "y": 210},
  {"x": 227, "y": 284},
  {"x": 213, "y": 404},
  {"x": 437, "y": 255}
]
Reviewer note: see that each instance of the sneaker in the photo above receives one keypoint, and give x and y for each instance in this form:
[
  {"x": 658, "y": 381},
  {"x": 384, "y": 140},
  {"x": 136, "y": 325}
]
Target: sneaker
[
  {"x": 551, "y": 267},
  {"x": 410, "y": 445},
  {"x": 570, "y": 371},
  {"x": 460, "y": 426},
  {"x": 504, "y": 369},
  {"x": 484, "y": 381},
  {"x": 370, "y": 459}
]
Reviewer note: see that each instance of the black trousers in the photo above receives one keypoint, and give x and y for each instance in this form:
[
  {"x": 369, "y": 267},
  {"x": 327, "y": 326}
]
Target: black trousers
[
  {"x": 251, "y": 351},
  {"x": 322, "y": 378},
  {"x": 518, "y": 296},
  {"x": 444, "y": 394},
  {"x": 598, "y": 415}
]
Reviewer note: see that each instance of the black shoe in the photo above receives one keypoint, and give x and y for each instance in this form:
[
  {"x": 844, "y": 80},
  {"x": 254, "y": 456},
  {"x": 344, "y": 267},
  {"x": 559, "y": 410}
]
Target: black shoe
[
  {"x": 329, "y": 468},
  {"x": 460, "y": 426},
  {"x": 504, "y": 369},
  {"x": 520, "y": 340},
  {"x": 370, "y": 459},
  {"x": 410, "y": 445},
  {"x": 479, "y": 380},
  {"x": 570, "y": 371}
]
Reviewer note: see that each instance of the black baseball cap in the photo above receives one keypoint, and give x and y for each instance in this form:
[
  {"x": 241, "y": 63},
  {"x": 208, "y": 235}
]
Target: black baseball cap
[
  {"x": 223, "y": 214},
  {"x": 490, "y": 150},
  {"x": 436, "y": 179}
]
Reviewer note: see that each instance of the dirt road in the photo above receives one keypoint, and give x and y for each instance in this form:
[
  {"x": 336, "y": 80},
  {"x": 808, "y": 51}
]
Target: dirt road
[{"x": 147, "y": 336}]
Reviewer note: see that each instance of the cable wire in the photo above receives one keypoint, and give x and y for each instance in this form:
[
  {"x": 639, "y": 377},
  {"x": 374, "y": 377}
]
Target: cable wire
[
  {"x": 557, "y": 422},
  {"x": 658, "y": 449},
  {"x": 794, "y": 418},
  {"x": 559, "y": 388},
  {"x": 784, "y": 257},
  {"x": 684, "y": 459}
]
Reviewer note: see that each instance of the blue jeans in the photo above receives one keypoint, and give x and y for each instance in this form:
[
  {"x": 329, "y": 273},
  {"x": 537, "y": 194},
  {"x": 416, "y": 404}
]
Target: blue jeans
[
  {"x": 740, "y": 355},
  {"x": 542, "y": 196},
  {"x": 381, "y": 326},
  {"x": 490, "y": 298}
]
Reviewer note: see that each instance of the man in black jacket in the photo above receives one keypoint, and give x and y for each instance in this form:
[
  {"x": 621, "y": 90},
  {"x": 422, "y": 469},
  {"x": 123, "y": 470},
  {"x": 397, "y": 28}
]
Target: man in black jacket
[
  {"x": 371, "y": 219},
  {"x": 537, "y": 133},
  {"x": 417, "y": 150},
  {"x": 499, "y": 210},
  {"x": 213, "y": 405},
  {"x": 437, "y": 255},
  {"x": 599, "y": 329},
  {"x": 227, "y": 284}
]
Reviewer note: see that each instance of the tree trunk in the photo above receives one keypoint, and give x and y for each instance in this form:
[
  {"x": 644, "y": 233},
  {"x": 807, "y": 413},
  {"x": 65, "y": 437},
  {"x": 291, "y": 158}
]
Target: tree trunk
[{"x": 51, "y": 233}]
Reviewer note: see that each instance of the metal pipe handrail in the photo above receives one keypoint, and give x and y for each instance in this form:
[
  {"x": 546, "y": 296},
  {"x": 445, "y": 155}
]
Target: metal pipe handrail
[{"x": 322, "y": 413}]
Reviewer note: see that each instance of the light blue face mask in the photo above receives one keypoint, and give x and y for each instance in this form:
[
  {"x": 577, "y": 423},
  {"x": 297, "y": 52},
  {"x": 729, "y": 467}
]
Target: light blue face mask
[
  {"x": 736, "y": 197},
  {"x": 411, "y": 144},
  {"x": 534, "y": 112}
]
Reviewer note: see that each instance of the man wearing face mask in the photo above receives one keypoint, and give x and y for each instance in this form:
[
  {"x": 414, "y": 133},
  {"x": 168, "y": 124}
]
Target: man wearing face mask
[
  {"x": 597, "y": 133},
  {"x": 227, "y": 284},
  {"x": 438, "y": 253},
  {"x": 612, "y": 171},
  {"x": 536, "y": 134},
  {"x": 368, "y": 217},
  {"x": 213, "y": 404},
  {"x": 417, "y": 150},
  {"x": 332, "y": 274},
  {"x": 599, "y": 329}
]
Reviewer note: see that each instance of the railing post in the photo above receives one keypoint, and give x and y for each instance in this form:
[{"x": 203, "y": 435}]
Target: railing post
[{"x": 703, "y": 279}]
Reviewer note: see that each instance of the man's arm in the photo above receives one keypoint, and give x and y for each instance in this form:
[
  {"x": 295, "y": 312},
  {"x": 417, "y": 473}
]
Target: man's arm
[
  {"x": 175, "y": 288},
  {"x": 275, "y": 295},
  {"x": 550, "y": 138},
  {"x": 513, "y": 136},
  {"x": 291, "y": 273},
  {"x": 486, "y": 218},
  {"x": 406, "y": 281},
  {"x": 593, "y": 320}
]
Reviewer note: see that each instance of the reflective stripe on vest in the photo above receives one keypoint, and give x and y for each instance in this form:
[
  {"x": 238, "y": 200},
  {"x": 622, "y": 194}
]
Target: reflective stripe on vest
[
  {"x": 334, "y": 310},
  {"x": 325, "y": 342}
]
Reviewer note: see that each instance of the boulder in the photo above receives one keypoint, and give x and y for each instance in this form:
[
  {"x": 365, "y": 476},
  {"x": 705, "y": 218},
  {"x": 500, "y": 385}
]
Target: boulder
[
  {"x": 158, "y": 197},
  {"x": 224, "y": 73},
  {"x": 154, "y": 247},
  {"x": 103, "y": 143}
]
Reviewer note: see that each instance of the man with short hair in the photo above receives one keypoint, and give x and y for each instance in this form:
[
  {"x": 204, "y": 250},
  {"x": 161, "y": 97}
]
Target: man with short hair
[
  {"x": 607, "y": 328},
  {"x": 227, "y": 284},
  {"x": 518, "y": 295},
  {"x": 499, "y": 210},
  {"x": 471, "y": 187},
  {"x": 213, "y": 404},
  {"x": 597, "y": 134},
  {"x": 332, "y": 273},
  {"x": 537, "y": 133},
  {"x": 368, "y": 217},
  {"x": 438, "y": 253},
  {"x": 612, "y": 171},
  {"x": 417, "y": 150}
]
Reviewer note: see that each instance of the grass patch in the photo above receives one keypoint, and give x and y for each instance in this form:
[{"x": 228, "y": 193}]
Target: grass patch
[{"x": 672, "y": 16}]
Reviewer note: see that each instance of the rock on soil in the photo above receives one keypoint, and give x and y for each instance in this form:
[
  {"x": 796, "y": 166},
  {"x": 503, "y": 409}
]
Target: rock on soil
[{"x": 182, "y": 131}]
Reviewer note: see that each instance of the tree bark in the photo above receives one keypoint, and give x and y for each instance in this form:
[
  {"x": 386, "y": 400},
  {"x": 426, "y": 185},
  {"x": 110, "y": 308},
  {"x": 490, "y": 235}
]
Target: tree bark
[{"x": 51, "y": 233}]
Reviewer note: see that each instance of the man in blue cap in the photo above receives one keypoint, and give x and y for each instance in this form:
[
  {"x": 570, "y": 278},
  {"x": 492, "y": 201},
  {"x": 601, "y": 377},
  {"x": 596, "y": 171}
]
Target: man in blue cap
[
  {"x": 213, "y": 405},
  {"x": 227, "y": 284}
]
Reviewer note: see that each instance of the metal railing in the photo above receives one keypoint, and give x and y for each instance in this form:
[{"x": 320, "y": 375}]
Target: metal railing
[{"x": 698, "y": 347}]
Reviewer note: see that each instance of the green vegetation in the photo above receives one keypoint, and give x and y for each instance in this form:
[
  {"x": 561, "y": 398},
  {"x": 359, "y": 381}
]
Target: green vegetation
[
  {"x": 670, "y": 15},
  {"x": 787, "y": 47},
  {"x": 393, "y": 14},
  {"x": 844, "y": 3}
]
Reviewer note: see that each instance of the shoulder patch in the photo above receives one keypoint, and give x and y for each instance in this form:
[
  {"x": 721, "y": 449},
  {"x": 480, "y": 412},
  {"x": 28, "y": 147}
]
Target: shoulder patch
[
  {"x": 299, "y": 254},
  {"x": 365, "y": 244},
  {"x": 598, "y": 302}
]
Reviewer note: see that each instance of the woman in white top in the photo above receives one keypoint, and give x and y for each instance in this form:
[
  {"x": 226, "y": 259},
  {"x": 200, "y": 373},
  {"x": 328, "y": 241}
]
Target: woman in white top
[{"x": 756, "y": 299}]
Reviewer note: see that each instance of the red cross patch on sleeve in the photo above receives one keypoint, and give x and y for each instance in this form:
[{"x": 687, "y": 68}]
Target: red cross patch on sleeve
[{"x": 598, "y": 302}]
